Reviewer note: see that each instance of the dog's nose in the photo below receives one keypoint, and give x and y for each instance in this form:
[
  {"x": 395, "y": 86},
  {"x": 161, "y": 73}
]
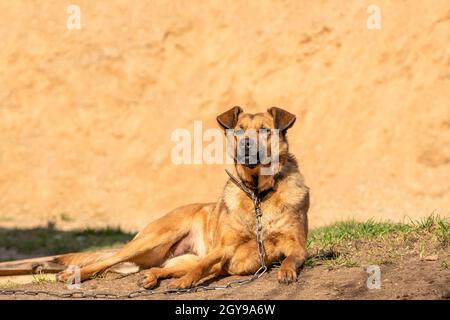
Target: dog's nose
[
  {"x": 247, "y": 143},
  {"x": 247, "y": 152}
]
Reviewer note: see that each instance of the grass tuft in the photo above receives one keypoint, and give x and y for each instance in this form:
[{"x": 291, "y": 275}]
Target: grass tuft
[{"x": 40, "y": 279}]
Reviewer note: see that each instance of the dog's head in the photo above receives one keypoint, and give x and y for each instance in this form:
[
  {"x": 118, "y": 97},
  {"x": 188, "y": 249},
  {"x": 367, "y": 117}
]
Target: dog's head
[{"x": 258, "y": 143}]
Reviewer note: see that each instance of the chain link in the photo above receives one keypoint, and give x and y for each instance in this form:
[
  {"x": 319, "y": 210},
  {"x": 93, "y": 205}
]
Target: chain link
[{"x": 141, "y": 293}]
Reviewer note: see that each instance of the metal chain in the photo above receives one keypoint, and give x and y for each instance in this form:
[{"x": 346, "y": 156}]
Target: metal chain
[{"x": 140, "y": 293}]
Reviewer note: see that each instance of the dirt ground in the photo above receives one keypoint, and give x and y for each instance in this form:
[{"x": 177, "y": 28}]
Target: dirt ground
[{"x": 409, "y": 279}]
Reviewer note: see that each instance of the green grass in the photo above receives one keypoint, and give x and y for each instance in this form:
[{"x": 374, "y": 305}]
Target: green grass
[
  {"x": 330, "y": 244},
  {"x": 354, "y": 230}
]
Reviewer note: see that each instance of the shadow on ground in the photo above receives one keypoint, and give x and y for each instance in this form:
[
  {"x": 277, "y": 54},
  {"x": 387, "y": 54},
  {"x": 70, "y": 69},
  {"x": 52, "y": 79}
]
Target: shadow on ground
[{"x": 24, "y": 243}]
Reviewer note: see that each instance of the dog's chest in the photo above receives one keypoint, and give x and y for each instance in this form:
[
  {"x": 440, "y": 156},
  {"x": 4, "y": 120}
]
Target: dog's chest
[
  {"x": 274, "y": 218},
  {"x": 279, "y": 209}
]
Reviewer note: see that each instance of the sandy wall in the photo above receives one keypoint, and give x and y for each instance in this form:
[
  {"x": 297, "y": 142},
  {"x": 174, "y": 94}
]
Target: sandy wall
[{"x": 86, "y": 115}]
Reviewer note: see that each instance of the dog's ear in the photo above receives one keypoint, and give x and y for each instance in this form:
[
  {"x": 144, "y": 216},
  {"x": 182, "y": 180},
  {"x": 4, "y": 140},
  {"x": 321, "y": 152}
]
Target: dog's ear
[
  {"x": 228, "y": 119},
  {"x": 282, "y": 119}
]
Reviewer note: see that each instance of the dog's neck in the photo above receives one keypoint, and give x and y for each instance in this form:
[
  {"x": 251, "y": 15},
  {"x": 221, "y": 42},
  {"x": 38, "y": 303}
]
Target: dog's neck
[{"x": 256, "y": 179}]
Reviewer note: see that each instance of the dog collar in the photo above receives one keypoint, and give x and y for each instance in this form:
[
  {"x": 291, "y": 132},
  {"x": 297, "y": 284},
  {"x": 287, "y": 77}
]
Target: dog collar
[{"x": 253, "y": 194}]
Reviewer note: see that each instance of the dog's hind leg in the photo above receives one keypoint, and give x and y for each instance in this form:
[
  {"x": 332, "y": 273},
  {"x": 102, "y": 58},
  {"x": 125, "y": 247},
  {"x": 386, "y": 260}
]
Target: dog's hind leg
[
  {"x": 173, "y": 268},
  {"x": 149, "y": 248},
  {"x": 84, "y": 258}
]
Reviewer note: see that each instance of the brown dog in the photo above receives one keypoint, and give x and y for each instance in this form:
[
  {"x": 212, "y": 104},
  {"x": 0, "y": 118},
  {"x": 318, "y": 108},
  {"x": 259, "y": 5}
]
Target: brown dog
[{"x": 200, "y": 240}]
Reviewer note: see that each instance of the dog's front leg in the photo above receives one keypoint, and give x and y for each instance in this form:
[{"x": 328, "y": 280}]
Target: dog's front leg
[{"x": 295, "y": 252}]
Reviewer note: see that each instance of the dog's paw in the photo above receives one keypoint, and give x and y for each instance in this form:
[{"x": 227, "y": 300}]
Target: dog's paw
[
  {"x": 287, "y": 275},
  {"x": 65, "y": 275},
  {"x": 182, "y": 283},
  {"x": 149, "y": 281}
]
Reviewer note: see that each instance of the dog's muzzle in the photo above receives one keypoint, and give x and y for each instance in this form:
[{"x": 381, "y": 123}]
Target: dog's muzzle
[{"x": 248, "y": 153}]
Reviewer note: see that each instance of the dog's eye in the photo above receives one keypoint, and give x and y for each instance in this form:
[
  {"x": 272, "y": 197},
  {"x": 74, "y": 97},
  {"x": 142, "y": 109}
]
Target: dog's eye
[
  {"x": 264, "y": 130},
  {"x": 239, "y": 131}
]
